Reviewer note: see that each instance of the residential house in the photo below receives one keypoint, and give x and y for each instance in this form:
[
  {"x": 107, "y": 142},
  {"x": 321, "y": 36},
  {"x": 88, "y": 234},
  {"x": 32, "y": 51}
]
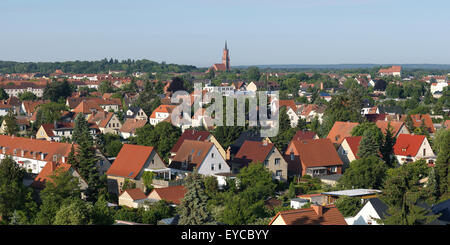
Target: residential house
[
  {"x": 107, "y": 122},
  {"x": 363, "y": 194},
  {"x": 372, "y": 211},
  {"x": 397, "y": 128},
  {"x": 132, "y": 198},
  {"x": 348, "y": 149},
  {"x": 340, "y": 130},
  {"x": 310, "y": 111},
  {"x": 315, "y": 215},
  {"x": 305, "y": 135},
  {"x": 263, "y": 153},
  {"x": 172, "y": 194},
  {"x": 410, "y": 148},
  {"x": 129, "y": 127},
  {"x": 54, "y": 168},
  {"x": 313, "y": 157},
  {"x": 130, "y": 164},
  {"x": 21, "y": 122},
  {"x": 200, "y": 155},
  {"x": 87, "y": 107},
  {"x": 420, "y": 120},
  {"x": 136, "y": 113},
  {"x": 58, "y": 130},
  {"x": 249, "y": 135},
  {"x": 5, "y": 108},
  {"x": 192, "y": 134},
  {"x": 395, "y": 71},
  {"x": 291, "y": 111},
  {"x": 161, "y": 113},
  {"x": 33, "y": 154}
]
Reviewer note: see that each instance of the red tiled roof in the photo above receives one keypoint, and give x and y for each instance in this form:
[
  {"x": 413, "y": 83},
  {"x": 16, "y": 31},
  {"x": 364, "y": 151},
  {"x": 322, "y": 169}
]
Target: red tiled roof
[
  {"x": 87, "y": 106},
  {"x": 340, "y": 130},
  {"x": 309, "y": 216},
  {"x": 316, "y": 153},
  {"x": 130, "y": 161},
  {"x": 353, "y": 142},
  {"x": 408, "y": 144},
  {"x": 171, "y": 194},
  {"x": 135, "y": 194},
  {"x": 190, "y": 134},
  {"x": 47, "y": 171},
  {"x": 383, "y": 125},
  {"x": 304, "y": 135},
  {"x": 191, "y": 151},
  {"x": 162, "y": 109},
  {"x": 131, "y": 124},
  {"x": 219, "y": 67},
  {"x": 254, "y": 151},
  {"x": 391, "y": 69},
  {"x": 288, "y": 103},
  {"x": 417, "y": 121},
  {"x": 34, "y": 145}
]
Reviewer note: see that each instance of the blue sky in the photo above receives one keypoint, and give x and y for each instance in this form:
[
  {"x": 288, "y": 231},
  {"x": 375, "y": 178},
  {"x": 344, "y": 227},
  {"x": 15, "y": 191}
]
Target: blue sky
[{"x": 258, "y": 31}]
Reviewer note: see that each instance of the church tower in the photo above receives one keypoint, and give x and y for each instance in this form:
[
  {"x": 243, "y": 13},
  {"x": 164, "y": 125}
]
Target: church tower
[{"x": 226, "y": 57}]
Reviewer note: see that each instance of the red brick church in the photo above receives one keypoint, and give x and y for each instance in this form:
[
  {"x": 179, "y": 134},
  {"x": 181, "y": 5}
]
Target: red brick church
[{"x": 225, "y": 65}]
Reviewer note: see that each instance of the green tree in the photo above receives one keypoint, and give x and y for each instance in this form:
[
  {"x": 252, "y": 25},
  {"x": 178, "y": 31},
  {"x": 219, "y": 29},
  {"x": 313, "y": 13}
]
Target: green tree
[
  {"x": 60, "y": 189},
  {"x": 387, "y": 147},
  {"x": 369, "y": 145},
  {"x": 3, "y": 94},
  {"x": 192, "y": 209},
  {"x": 366, "y": 172},
  {"x": 253, "y": 73},
  {"x": 442, "y": 164},
  {"x": 11, "y": 123},
  {"x": 75, "y": 213},
  {"x": 13, "y": 194},
  {"x": 101, "y": 213},
  {"x": 105, "y": 87},
  {"x": 27, "y": 96},
  {"x": 403, "y": 192},
  {"x": 157, "y": 211},
  {"x": 49, "y": 112},
  {"x": 348, "y": 206},
  {"x": 81, "y": 128}
]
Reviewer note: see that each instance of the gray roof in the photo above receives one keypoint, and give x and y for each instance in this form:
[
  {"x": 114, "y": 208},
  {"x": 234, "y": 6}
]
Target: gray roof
[
  {"x": 379, "y": 206},
  {"x": 353, "y": 192}
]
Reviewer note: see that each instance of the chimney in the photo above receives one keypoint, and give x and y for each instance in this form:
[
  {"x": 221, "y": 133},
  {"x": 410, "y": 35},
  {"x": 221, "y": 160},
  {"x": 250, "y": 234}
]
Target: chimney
[
  {"x": 55, "y": 125},
  {"x": 318, "y": 209},
  {"x": 321, "y": 85},
  {"x": 228, "y": 154}
]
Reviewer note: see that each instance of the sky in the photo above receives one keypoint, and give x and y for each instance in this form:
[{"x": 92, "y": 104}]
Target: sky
[{"x": 258, "y": 32}]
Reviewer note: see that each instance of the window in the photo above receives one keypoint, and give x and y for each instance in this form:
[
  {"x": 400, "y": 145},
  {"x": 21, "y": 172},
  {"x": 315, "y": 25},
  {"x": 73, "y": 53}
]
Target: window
[
  {"x": 344, "y": 152},
  {"x": 333, "y": 169},
  {"x": 266, "y": 162},
  {"x": 220, "y": 166},
  {"x": 212, "y": 167},
  {"x": 424, "y": 151},
  {"x": 292, "y": 156},
  {"x": 212, "y": 155},
  {"x": 278, "y": 172},
  {"x": 153, "y": 161},
  {"x": 277, "y": 161}
]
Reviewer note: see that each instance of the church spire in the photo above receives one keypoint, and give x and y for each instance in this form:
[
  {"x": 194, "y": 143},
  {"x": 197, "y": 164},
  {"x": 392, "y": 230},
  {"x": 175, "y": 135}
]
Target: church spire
[{"x": 226, "y": 44}]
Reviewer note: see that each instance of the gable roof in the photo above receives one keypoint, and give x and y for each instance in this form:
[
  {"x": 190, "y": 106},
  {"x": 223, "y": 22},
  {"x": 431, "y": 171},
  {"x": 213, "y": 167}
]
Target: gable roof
[
  {"x": 308, "y": 216},
  {"x": 249, "y": 135},
  {"x": 417, "y": 121},
  {"x": 47, "y": 172},
  {"x": 130, "y": 161},
  {"x": 353, "y": 143},
  {"x": 379, "y": 206},
  {"x": 87, "y": 106},
  {"x": 192, "y": 152},
  {"x": 253, "y": 151},
  {"x": 317, "y": 153},
  {"x": 171, "y": 194},
  {"x": 162, "y": 109},
  {"x": 135, "y": 194},
  {"x": 288, "y": 103},
  {"x": 31, "y": 146},
  {"x": 408, "y": 144},
  {"x": 190, "y": 134},
  {"x": 383, "y": 125},
  {"x": 304, "y": 135},
  {"x": 131, "y": 124},
  {"x": 340, "y": 130}
]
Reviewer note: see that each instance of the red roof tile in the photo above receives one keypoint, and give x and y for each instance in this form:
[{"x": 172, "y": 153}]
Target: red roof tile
[
  {"x": 47, "y": 172},
  {"x": 253, "y": 151},
  {"x": 316, "y": 153},
  {"x": 130, "y": 161},
  {"x": 408, "y": 144},
  {"x": 340, "y": 130},
  {"x": 135, "y": 194},
  {"x": 171, "y": 194},
  {"x": 190, "y": 134},
  {"x": 309, "y": 216}
]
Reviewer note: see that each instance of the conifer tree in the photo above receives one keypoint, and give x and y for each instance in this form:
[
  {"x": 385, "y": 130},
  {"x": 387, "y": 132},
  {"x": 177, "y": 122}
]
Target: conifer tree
[
  {"x": 11, "y": 124},
  {"x": 193, "y": 209},
  {"x": 369, "y": 145},
  {"x": 442, "y": 165},
  {"x": 387, "y": 147}
]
